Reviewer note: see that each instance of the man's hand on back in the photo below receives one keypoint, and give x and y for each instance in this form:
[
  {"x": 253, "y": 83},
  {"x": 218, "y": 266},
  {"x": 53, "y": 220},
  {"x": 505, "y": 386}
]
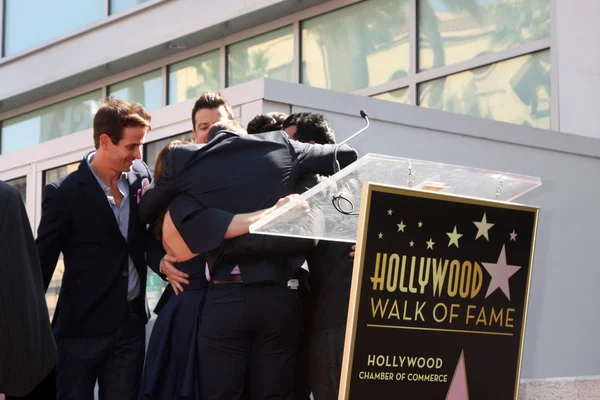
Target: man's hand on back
[{"x": 175, "y": 277}]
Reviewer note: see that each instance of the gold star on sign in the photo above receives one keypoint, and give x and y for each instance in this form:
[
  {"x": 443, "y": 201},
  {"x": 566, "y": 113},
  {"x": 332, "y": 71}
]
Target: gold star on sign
[
  {"x": 513, "y": 236},
  {"x": 483, "y": 228},
  {"x": 420, "y": 224},
  {"x": 380, "y": 236},
  {"x": 401, "y": 226},
  {"x": 454, "y": 236},
  {"x": 390, "y": 211},
  {"x": 411, "y": 243},
  {"x": 430, "y": 244}
]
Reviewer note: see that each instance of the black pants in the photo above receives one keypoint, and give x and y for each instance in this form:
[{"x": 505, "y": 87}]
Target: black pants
[
  {"x": 253, "y": 329},
  {"x": 326, "y": 350},
  {"x": 45, "y": 390},
  {"x": 115, "y": 360}
]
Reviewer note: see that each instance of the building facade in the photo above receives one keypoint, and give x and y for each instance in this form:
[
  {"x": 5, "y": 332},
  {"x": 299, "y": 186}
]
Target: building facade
[{"x": 500, "y": 84}]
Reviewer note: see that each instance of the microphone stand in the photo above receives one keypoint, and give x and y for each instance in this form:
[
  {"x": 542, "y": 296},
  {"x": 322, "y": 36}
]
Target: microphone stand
[
  {"x": 337, "y": 198},
  {"x": 336, "y": 164}
]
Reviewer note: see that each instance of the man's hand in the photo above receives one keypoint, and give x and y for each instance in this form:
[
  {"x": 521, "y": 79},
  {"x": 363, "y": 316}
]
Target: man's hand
[
  {"x": 353, "y": 250},
  {"x": 175, "y": 277}
]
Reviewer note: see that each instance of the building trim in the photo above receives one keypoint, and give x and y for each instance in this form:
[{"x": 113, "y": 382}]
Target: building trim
[
  {"x": 2, "y": 6},
  {"x": 296, "y": 70}
]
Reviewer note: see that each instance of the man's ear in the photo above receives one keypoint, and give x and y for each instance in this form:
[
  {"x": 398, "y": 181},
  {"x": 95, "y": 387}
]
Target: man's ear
[{"x": 104, "y": 140}]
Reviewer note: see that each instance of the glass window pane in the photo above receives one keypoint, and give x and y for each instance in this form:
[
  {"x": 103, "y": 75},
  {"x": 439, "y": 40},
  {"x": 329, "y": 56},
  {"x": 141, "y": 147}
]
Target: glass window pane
[
  {"x": 116, "y": 6},
  {"x": 398, "y": 96},
  {"x": 152, "y": 149},
  {"x": 270, "y": 55},
  {"x": 452, "y": 31},
  {"x": 54, "y": 174},
  {"x": 21, "y": 184},
  {"x": 515, "y": 91},
  {"x": 188, "y": 79},
  {"x": 28, "y": 23},
  {"x": 60, "y": 119},
  {"x": 145, "y": 89},
  {"x": 356, "y": 47}
]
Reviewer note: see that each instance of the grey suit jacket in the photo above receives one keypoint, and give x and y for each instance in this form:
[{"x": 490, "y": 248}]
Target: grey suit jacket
[{"x": 27, "y": 348}]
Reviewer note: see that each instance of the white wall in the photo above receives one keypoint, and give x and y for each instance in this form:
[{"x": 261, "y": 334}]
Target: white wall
[
  {"x": 578, "y": 40},
  {"x": 563, "y": 325}
]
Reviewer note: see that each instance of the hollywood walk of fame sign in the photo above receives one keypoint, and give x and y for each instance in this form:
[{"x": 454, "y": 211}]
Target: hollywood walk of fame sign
[{"x": 439, "y": 297}]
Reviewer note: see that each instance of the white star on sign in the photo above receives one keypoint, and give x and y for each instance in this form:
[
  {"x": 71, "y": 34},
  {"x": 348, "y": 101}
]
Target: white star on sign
[
  {"x": 454, "y": 236},
  {"x": 483, "y": 227},
  {"x": 430, "y": 244}
]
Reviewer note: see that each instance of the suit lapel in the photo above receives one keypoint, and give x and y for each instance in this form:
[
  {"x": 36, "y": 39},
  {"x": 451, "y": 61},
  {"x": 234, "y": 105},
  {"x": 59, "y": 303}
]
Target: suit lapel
[{"x": 95, "y": 195}]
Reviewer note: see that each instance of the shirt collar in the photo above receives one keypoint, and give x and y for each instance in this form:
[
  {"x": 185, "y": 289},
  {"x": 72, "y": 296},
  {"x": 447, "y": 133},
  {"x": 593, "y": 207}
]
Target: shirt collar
[{"x": 105, "y": 188}]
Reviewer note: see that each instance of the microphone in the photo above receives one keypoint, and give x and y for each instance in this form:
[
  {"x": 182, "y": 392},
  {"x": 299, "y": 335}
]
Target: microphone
[{"x": 336, "y": 164}]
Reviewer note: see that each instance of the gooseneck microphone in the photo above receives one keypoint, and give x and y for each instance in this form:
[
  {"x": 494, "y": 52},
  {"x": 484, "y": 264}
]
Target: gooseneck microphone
[
  {"x": 338, "y": 198},
  {"x": 336, "y": 164}
]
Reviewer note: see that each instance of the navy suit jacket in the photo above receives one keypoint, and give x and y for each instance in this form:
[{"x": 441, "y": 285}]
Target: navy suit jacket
[
  {"x": 232, "y": 175},
  {"x": 78, "y": 221}
]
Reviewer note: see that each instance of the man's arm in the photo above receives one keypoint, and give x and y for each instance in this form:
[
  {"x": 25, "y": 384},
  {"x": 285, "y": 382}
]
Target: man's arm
[
  {"x": 256, "y": 245},
  {"x": 160, "y": 193},
  {"x": 52, "y": 231},
  {"x": 318, "y": 158},
  {"x": 205, "y": 229}
]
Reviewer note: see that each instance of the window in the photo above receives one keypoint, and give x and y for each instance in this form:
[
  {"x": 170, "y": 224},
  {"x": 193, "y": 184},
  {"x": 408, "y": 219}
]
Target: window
[
  {"x": 152, "y": 149},
  {"x": 452, "y": 31},
  {"x": 145, "y": 89},
  {"x": 116, "y": 6},
  {"x": 270, "y": 55},
  {"x": 50, "y": 122},
  {"x": 515, "y": 91},
  {"x": 398, "y": 96},
  {"x": 28, "y": 23},
  {"x": 188, "y": 79},
  {"x": 54, "y": 174},
  {"x": 356, "y": 47},
  {"x": 21, "y": 184}
]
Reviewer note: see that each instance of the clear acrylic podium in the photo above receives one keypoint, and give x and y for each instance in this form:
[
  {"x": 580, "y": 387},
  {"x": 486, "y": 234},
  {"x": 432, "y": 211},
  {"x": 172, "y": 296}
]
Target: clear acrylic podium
[{"x": 337, "y": 198}]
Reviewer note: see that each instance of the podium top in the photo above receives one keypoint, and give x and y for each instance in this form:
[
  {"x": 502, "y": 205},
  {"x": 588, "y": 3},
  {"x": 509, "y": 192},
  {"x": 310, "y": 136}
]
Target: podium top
[{"x": 335, "y": 201}]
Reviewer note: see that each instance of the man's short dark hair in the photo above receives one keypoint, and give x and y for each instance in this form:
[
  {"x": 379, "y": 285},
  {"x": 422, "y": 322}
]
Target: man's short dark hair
[
  {"x": 211, "y": 100},
  {"x": 268, "y": 122},
  {"x": 114, "y": 115},
  {"x": 231, "y": 126},
  {"x": 310, "y": 127}
]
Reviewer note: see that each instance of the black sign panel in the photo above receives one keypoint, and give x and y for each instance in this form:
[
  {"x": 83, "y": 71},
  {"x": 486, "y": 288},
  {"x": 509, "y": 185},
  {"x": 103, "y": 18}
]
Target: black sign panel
[{"x": 439, "y": 297}]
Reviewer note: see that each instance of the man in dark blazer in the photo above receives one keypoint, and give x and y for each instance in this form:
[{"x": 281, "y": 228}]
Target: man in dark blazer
[
  {"x": 91, "y": 217},
  {"x": 27, "y": 349},
  {"x": 251, "y": 320}
]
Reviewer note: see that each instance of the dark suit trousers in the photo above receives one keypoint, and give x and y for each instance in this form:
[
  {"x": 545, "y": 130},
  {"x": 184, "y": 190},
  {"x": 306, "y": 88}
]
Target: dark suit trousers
[
  {"x": 249, "y": 328},
  {"x": 326, "y": 350},
  {"x": 115, "y": 360}
]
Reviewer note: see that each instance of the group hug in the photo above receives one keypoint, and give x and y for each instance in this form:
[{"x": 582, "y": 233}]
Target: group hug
[{"x": 244, "y": 316}]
